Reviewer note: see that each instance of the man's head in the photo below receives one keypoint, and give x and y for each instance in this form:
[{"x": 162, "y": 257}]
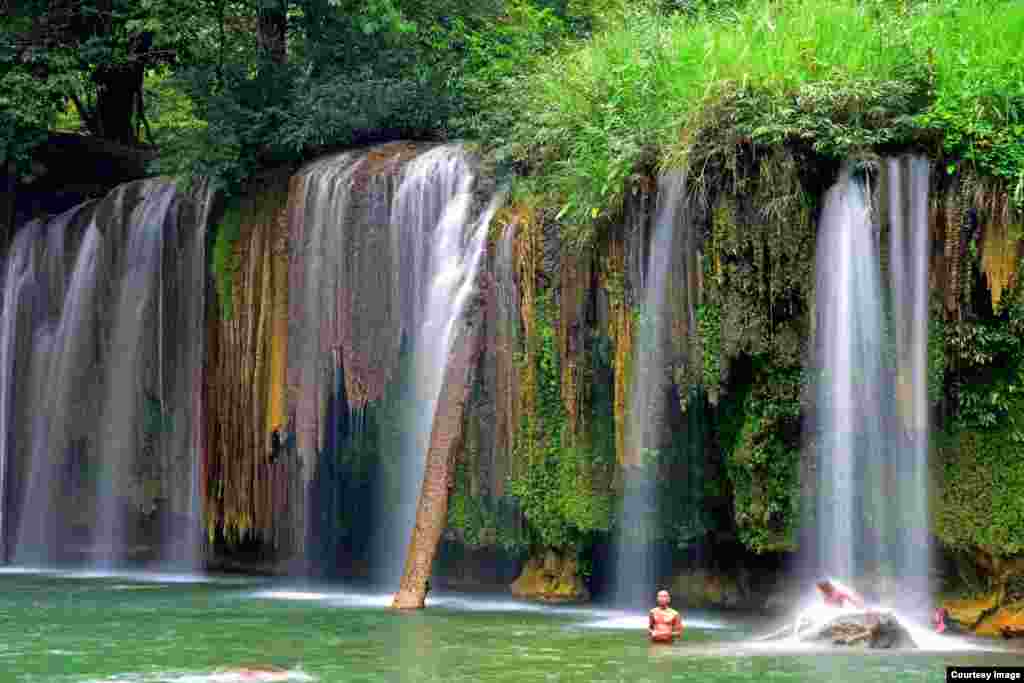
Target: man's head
[
  {"x": 825, "y": 586},
  {"x": 664, "y": 598}
]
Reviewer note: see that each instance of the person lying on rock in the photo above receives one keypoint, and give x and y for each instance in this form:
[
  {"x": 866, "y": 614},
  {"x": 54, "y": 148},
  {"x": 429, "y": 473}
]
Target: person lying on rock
[
  {"x": 835, "y": 594},
  {"x": 665, "y": 623}
]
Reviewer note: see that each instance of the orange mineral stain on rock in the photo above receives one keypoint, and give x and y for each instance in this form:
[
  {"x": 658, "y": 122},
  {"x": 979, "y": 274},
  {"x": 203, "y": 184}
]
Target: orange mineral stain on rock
[
  {"x": 1008, "y": 622},
  {"x": 968, "y": 612}
]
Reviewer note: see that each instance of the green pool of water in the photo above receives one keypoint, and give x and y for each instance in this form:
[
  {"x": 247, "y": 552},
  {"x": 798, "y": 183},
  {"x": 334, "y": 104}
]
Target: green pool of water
[{"x": 115, "y": 629}]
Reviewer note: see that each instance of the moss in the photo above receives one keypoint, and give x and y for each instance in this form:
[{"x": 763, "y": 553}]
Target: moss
[
  {"x": 979, "y": 474},
  {"x": 620, "y": 334},
  {"x": 479, "y": 520},
  {"x": 225, "y": 258},
  {"x": 709, "y": 325},
  {"x": 562, "y": 484},
  {"x": 759, "y": 429}
]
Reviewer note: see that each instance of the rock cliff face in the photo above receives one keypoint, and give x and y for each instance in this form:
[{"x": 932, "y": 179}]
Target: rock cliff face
[
  {"x": 249, "y": 487},
  {"x": 545, "y": 424},
  {"x": 318, "y": 287}
]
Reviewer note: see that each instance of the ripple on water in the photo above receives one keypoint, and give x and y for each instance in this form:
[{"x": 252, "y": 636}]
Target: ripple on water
[
  {"x": 632, "y": 622},
  {"x": 587, "y": 617},
  {"x": 228, "y": 676},
  {"x": 334, "y": 598},
  {"x": 126, "y": 575}
]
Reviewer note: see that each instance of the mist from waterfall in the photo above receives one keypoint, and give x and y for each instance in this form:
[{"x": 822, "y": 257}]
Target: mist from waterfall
[
  {"x": 871, "y": 426},
  {"x": 101, "y": 340}
]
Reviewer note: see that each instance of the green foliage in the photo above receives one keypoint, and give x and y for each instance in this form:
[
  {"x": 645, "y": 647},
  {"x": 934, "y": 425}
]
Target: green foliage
[
  {"x": 937, "y": 339},
  {"x": 979, "y": 458},
  {"x": 88, "y": 58},
  {"x": 759, "y": 429},
  {"x": 556, "y": 488},
  {"x": 980, "y": 474},
  {"x": 27, "y": 110},
  {"x": 989, "y": 356},
  {"x": 709, "y": 326},
  {"x": 976, "y": 59},
  {"x": 225, "y": 261},
  {"x": 483, "y": 520},
  {"x": 361, "y": 72},
  {"x": 833, "y": 77}
]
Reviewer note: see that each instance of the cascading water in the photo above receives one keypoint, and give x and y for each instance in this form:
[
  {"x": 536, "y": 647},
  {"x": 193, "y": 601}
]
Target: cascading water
[
  {"x": 139, "y": 292},
  {"x": 440, "y": 179},
  {"x": 504, "y": 341},
  {"x": 635, "y": 570},
  {"x": 386, "y": 242},
  {"x": 871, "y": 417},
  {"x": 908, "y": 262},
  {"x": 100, "y": 355},
  {"x": 851, "y": 400}
]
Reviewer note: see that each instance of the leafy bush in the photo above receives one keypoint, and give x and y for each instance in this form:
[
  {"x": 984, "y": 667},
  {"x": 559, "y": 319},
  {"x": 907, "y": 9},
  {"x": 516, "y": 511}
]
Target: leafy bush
[{"x": 681, "y": 88}]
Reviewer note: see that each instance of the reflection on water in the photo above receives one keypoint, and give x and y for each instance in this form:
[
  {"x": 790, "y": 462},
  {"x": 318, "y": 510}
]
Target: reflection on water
[
  {"x": 243, "y": 675},
  {"x": 75, "y": 630}
]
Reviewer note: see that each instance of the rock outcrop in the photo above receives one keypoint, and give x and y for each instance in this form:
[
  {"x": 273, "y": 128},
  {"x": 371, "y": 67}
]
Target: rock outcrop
[
  {"x": 551, "y": 578},
  {"x": 861, "y": 629}
]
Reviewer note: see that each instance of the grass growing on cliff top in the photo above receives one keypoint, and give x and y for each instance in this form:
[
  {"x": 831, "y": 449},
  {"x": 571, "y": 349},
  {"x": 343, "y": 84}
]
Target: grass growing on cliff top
[{"x": 837, "y": 76}]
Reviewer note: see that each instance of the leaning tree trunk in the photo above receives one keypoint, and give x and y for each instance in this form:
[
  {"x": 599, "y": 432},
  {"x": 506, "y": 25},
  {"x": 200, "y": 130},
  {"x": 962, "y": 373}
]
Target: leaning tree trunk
[{"x": 445, "y": 438}]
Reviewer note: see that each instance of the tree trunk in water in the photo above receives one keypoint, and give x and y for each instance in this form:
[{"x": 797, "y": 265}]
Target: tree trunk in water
[{"x": 445, "y": 438}]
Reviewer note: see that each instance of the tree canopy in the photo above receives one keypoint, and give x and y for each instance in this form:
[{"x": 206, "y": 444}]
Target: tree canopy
[{"x": 227, "y": 86}]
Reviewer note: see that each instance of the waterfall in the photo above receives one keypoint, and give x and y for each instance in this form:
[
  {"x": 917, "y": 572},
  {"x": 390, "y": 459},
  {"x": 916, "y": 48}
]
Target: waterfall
[
  {"x": 504, "y": 342},
  {"x": 635, "y": 570},
  {"x": 438, "y": 183},
  {"x": 871, "y": 413},
  {"x": 851, "y": 402},
  {"x": 100, "y": 362},
  {"x": 387, "y": 245},
  {"x": 909, "y": 254}
]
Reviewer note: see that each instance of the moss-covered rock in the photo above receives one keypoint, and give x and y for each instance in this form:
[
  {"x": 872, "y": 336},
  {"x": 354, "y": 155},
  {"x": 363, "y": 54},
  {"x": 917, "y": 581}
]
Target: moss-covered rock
[
  {"x": 967, "y": 613},
  {"x": 703, "y": 588},
  {"x": 551, "y": 577},
  {"x": 980, "y": 476}
]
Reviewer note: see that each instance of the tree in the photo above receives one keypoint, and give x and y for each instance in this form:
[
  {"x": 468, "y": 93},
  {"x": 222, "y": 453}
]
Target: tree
[
  {"x": 445, "y": 440},
  {"x": 92, "y": 53}
]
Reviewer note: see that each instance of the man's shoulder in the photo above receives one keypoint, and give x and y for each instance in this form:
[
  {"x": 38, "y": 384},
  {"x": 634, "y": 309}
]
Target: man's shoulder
[{"x": 667, "y": 610}]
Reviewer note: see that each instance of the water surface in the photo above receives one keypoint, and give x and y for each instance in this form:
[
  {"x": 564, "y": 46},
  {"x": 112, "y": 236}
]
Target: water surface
[{"x": 138, "y": 628}]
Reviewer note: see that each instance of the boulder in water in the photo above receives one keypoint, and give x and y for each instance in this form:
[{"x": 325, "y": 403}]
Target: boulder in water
[
  {"x": 553, "y": 578},
  {"x": 871, "y": 629}
]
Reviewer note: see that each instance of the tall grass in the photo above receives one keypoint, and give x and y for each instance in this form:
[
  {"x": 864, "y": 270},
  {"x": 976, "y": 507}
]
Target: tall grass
[{"x": 656, "y": 83}]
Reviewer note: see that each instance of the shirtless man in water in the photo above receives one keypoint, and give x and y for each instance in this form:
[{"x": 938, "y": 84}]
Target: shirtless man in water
[{"x": 665, "y": 623}]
